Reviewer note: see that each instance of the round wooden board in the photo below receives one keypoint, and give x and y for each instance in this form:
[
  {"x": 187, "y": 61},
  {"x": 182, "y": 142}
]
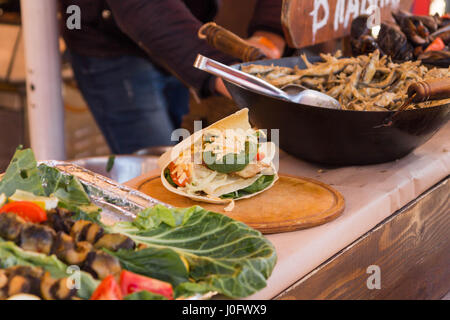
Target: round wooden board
[{"x": 293, "y": 203}]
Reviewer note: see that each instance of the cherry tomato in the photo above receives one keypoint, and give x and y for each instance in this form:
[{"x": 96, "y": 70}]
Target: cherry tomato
[
  {"x": 29, "y": 211},
  {"x": 131, "y": 282},
  {"x": 175, "y": 178},
  {"x": 108, "y": 289},
  {"x": 260, "y": 156}
]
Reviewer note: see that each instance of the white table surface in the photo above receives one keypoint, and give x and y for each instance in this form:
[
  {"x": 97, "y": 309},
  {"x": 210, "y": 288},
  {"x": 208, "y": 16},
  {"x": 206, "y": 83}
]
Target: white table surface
[{"x": 372, "y": 193}]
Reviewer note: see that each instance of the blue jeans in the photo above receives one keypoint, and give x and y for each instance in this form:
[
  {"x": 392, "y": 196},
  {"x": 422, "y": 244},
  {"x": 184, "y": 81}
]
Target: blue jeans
[{"x": 134, "y": 104}]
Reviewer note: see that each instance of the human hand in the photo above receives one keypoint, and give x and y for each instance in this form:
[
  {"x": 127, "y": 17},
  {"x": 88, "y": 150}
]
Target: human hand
[
  {"x": 220, "y": 88},
  {"x": 271, "y": 44}
]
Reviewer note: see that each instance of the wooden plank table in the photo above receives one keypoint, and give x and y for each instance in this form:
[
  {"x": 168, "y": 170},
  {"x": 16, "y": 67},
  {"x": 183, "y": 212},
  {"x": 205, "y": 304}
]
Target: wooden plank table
[{"x": 411, "y": 248}]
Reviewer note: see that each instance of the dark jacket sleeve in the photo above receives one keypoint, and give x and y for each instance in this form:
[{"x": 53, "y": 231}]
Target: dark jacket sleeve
[
  {"x": 267, "y": 17},
  {"x": 167, "y": 31}
]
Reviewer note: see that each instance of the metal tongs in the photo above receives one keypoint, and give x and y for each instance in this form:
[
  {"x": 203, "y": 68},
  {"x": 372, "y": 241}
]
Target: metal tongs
[{"x": 292, "y": 92}]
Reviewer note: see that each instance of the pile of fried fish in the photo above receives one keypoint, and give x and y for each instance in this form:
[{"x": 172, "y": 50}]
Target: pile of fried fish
[{"x": 364, "y": 83}]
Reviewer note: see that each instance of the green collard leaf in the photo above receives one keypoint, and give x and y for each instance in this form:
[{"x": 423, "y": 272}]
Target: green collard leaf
[
  {"x": 189, "y": 289},
  {"x": 12, "y": 255},
  {"x": 144, "y": 295},
  {"x": 22, "y": 174},
  {"x": 66, "y": 188},
  {"x": 159, "y": 263},
  {"x": 87, "y": 212},
  {"x": 70, "y": 193},
  {"x": 153, "y": 217},
  {"x": 224, "y": 255}
]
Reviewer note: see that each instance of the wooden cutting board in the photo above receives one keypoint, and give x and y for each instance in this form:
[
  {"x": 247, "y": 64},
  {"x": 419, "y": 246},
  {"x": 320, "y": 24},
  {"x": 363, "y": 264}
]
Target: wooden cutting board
[{"x": 293, "y": 203}]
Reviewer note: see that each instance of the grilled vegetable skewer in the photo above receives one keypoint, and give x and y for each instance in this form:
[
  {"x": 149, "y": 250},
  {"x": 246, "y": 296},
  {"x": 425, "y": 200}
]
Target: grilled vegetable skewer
[
  {"x": 74, "y": 242},
  {"x": 35, "y": 281}
]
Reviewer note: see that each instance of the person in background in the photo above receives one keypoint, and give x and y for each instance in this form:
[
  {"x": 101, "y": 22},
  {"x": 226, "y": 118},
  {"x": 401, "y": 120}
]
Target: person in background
[{"x": 133, "y": 62}]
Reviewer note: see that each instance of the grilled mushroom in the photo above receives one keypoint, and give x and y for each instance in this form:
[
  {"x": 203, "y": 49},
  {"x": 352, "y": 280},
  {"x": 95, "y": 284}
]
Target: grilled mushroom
[
  {"x": 84, "y": 230},
  {"x": 32, "y": 274},
  {"x": 80, "y": 253},
  {"x": 60, "y": 220},
  {"x": 18, "y": 284},
  {"x": 52, "y": 289},
  {"x": 74, "y": 249},
  {"x": 38, "y": 238},
  {"x": 35, "y": 281},
  {"x": 70, "y": 251},
  {"x": 26, "y": 271},
  {"x": 3, "y": 278},
  {"x": 62, "y": 291},
  {"x": 114, "y": 242},
  {"x": 10, "y": 226},
  {"x": 100, "y": 264},
  {"x": 3, "y": 284}
]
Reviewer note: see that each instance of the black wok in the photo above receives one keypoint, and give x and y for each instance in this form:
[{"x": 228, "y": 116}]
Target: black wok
[{"x": 338, "y": 137}]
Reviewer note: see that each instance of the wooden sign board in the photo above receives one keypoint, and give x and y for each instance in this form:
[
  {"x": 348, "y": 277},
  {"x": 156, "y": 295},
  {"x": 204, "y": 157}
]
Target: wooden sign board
[{"x": 308, "y": 22}]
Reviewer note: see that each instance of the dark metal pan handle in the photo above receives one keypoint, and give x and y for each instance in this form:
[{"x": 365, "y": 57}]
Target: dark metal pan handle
[{"x": 229, "y": 43}]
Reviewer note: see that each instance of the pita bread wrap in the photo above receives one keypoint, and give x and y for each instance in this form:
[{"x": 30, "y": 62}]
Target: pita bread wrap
[{"x": 215, "y": 187}]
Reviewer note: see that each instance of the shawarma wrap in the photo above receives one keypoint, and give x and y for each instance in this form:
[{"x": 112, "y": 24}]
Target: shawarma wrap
[{"x": 223, "y": 162}]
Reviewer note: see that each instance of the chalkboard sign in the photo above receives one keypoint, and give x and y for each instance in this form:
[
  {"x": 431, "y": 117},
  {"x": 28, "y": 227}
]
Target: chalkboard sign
[{"x": 308, "y": 22}]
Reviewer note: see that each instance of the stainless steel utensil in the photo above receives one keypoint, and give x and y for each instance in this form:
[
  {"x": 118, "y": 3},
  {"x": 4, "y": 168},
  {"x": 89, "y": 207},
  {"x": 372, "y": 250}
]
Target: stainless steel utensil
[
  {"x": 125, "y": 168},
  {"x": 293, "y": 93}
]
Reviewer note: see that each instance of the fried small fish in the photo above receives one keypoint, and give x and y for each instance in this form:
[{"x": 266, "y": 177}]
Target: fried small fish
[{"x": 364, "y": 83}]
